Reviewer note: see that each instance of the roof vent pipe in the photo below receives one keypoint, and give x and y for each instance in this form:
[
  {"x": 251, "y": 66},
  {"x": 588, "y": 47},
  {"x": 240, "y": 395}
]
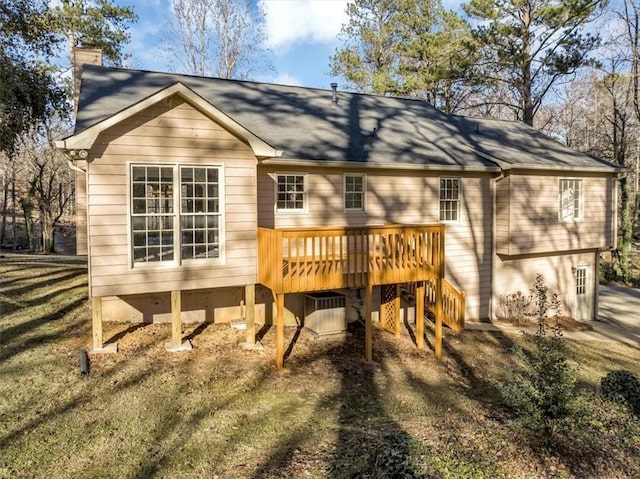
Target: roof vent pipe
[{"x": 334, "y": 93}]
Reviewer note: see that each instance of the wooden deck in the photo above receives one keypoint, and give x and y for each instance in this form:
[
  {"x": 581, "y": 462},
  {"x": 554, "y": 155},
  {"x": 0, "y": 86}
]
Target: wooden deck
[
  {"x": 292, "y": 261},
  {"x": 317, "y": 259}
]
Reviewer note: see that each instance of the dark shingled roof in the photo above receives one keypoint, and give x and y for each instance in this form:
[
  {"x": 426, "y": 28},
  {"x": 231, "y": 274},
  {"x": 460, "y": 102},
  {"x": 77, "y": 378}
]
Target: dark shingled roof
[{"x": 306, "y": 125}]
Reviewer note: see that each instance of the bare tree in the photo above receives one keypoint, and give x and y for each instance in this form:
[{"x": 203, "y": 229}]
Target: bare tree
[
  {"x": 222, "y": 38},
  {"x": 630, "y": 16},
  {"x": 596, "y": 115},
  {"x": 47, "y": 184}
]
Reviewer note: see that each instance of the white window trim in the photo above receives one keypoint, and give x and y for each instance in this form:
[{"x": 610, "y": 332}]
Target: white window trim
[
  {"x": 459, "y": 200},
  {"x": 573, "y": 219},
  {"x": 586, "y": 269},
  {"x": 222, "y": 256},
  {"x": 177, "y": 259},
  {"x": 305, "y": 196},
  {"x": 364, "y": 192}
]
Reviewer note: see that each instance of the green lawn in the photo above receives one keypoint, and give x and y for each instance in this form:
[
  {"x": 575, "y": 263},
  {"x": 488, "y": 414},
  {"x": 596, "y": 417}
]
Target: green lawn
[{"x": 220, "y": 411}]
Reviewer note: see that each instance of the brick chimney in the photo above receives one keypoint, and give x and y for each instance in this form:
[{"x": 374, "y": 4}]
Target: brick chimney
[{"x": 82, "y": 56}]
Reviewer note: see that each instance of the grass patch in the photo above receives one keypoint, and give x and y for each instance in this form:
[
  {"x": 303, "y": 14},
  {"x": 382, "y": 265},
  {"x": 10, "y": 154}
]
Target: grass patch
[{"x": 221, "y": 411}]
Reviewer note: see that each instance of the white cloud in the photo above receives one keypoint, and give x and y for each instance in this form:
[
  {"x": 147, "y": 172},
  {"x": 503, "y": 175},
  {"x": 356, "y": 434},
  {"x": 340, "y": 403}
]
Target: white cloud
[
  {"x": 302, "y": 21},
  {"x": 287, "y": 79}
]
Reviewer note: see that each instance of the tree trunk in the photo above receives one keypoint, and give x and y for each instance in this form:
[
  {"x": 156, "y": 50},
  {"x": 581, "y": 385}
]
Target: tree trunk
[
  {"x": 5, "y": 199},
  {"x": 27, "y": 210},
  {"x": 14, "y": 226},
  {"x": 627, "y": 231},
  {"x": 47, "y": 231}
]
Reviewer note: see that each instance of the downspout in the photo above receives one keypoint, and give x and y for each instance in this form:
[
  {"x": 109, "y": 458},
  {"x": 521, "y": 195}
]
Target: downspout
[
  {"x": 494, "y": 241},
  {"x": 613, "y": 246},
  {"x": 614, "y": 236}
]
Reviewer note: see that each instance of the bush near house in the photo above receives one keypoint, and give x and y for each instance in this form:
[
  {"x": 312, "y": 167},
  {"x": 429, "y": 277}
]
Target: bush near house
[
  {"x": 542, "y": 391},
  {"x": 622, "y": 387}
]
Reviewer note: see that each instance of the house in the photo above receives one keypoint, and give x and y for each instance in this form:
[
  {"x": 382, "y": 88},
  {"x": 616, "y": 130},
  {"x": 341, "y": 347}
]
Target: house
[{"x": 211, "y": 200}]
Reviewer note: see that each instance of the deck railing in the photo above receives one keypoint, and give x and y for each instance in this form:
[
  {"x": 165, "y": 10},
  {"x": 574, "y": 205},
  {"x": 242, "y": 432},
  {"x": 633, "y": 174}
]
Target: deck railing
[{"x": 315, "y": 259}]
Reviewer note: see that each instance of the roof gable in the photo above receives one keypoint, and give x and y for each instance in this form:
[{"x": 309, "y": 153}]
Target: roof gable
[{"x": 85, "y": 139}]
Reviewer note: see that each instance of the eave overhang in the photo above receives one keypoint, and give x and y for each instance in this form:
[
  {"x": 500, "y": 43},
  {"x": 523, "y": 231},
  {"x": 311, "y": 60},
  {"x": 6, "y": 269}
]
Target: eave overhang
[
  {"x": 523, "y": 167},
  {"x": 289, "y": 162}
]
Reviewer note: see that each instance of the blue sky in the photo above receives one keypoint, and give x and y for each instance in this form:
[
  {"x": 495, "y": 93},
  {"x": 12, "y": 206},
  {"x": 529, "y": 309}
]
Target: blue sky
[{"x": 301, "y": 36}]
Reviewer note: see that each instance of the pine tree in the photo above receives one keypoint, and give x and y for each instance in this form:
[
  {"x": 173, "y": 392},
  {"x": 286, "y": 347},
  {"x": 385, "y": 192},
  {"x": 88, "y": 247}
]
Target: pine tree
[{"x": 529, "y": 46}]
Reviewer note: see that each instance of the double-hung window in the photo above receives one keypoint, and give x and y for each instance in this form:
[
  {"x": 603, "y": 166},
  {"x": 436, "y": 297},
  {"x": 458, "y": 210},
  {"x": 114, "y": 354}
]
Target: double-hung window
[
  {"x": 570, "y": 200},
  {"x": 355, "y": 186},
  {"x": 291, "y": 192},
  {"x": 450, "y": 199},
  {"x": 176, "y": 213}
]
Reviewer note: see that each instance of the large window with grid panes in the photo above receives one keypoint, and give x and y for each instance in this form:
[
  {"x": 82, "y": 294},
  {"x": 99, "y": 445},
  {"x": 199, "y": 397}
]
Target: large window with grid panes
[
  {"x": 450, "y": 199},
  {"x": 177, "y": 214},
  {"x": 570, "y": 199}
]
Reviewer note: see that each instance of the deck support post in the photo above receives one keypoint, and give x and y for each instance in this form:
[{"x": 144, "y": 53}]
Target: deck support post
[
  {"x": 439, "y": 292},
  {"x": 96, "y": 322},
  {"x": 176, "y": 344},
  {"x": 250, "y": 313},
  {"x": 368, "y": 327},
  {"x": 280, "y": 330},
  {"x": 176, "y": 319},
  {"x": 396, "y": 310},
  {"x": 420, "y": 315},
  {"x": 97, "y": 340}
]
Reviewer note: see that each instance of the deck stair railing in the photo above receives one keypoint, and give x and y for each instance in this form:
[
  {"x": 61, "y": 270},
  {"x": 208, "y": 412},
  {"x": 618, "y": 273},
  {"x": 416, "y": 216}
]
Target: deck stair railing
[{"x": 453, "y": 303}]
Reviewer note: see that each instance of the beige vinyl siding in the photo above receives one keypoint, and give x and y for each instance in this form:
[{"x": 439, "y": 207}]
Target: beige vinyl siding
[
  {"x": 527, "y": 219},
  {"x": 81, "y": 212},
  {"x": 512, "y": 275},
  {"x": 409, "y": 197},
  {"x": 502, "y": 192},
  {"x": 172, "y": 132}
]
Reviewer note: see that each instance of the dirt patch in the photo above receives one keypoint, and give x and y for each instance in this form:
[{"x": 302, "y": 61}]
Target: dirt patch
[{"x": 566, "y": 324}]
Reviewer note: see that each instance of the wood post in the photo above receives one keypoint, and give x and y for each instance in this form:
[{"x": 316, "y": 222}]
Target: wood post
[
  {"x": 176, "y": 319},
  {"x": 280, "y": 331},
  {"x": 420, "y": 314},
  {"x": 250, "y": 313},
  {"x": 368, "y": 328},
  {"x": 439, "y": 309},
  {"x": 96, "y": 322},
  {"x": 396, "y": 310}
]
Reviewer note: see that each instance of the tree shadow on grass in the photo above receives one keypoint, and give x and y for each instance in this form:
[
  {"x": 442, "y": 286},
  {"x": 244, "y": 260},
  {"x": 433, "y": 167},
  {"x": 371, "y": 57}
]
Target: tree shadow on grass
[
  {"x": 17, "y": 338},
  {"x": 369, "y": 442},
  {"x": 41, "y": 282}
]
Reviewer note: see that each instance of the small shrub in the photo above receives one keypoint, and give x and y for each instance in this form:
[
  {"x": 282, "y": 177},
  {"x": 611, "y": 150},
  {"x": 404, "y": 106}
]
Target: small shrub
[
  {"x": 542, "y": 393},
  {"x": 608, "y": 273},
  {"x": 622, "y": 387},
  {"x": 516, "y": 308}
]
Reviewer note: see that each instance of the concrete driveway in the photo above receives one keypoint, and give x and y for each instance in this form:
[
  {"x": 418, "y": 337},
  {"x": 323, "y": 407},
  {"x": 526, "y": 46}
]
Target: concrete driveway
[
  {"x": 618, "y": 315},
  {"x": 618, "y": 319}
]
